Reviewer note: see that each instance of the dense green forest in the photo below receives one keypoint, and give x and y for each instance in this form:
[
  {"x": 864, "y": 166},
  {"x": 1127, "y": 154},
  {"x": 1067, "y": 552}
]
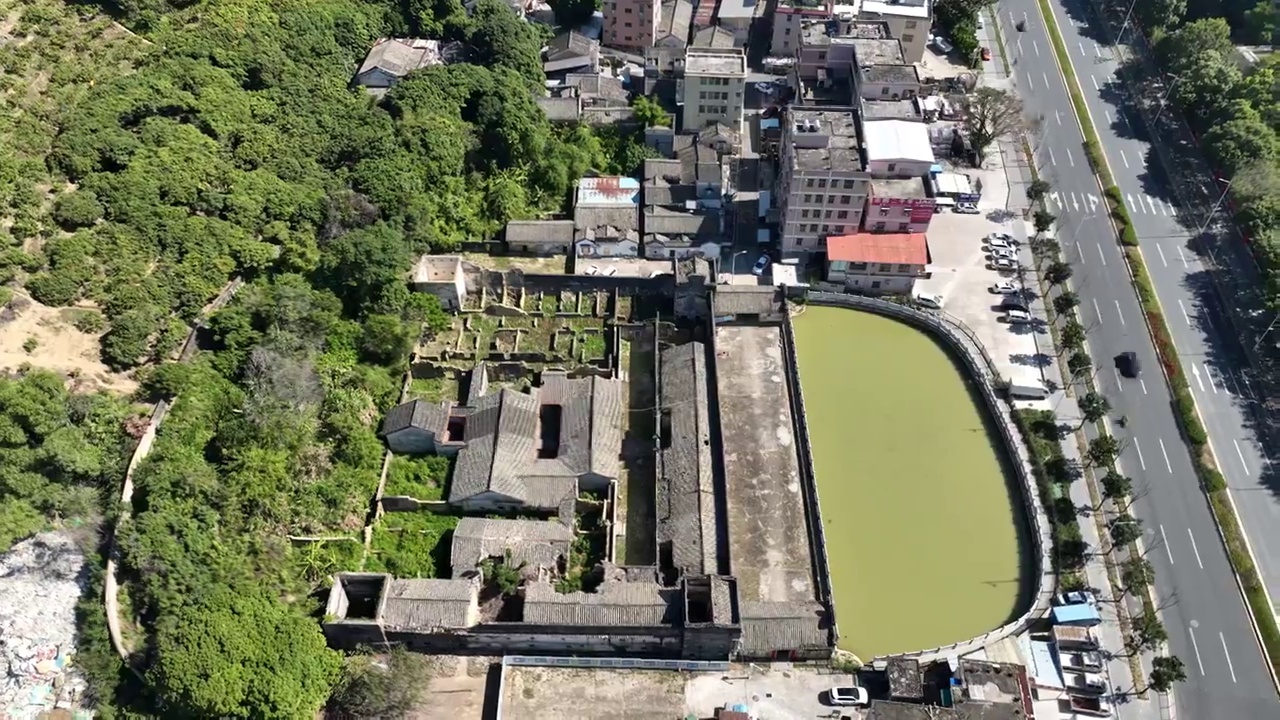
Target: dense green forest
[
  {"x": 1235, "y": 112},
  {"x": 156, "y": 149}
]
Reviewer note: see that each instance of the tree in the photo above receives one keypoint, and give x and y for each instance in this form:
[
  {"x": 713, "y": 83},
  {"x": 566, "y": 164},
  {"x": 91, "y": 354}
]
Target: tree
[
  {"x": 1037, "y": 190},
  {"x": 1165, "y": 671},
  {"x": 1058, "y": 272},
  {"x": 1137, "y": 574},
  {"x": 1079, "y": 364},
  {"x": 372, "y": 688},
  {"x": 1115, "y": 485},
  {"x": 1065, "y": 302},
  {"x": 1148, "y": 632},
  {"x": 1125, "y": 529},
  {"x": 1241, "y": 140},
  {"x": 77, "y": 209},
  {"x": 1073, "y": 335},
  {"x": 649, "y": 112},
  {"x": 1182, "y": 48},
  {"x": 1103, "y": 450},
  {"x": 1155, "y": 14},
  {"x": 1260, "y": 22},
  {"x": 990, "y": 115},
  {"x": 1093, "y": 407},
  {"x": 573, "y": 13},
  {"x": 237, "y": 653},
  {"x": 1044, "y": 220}
]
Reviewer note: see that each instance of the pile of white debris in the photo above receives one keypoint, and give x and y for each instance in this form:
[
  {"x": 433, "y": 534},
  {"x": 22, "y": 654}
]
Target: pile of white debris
[{"x": 41, "y": 579}]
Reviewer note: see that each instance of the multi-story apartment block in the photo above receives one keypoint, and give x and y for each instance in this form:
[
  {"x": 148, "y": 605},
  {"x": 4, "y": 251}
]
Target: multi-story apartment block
[
  {"x": 788, "y": 22},
  {"x": 823, "y": 181},
  {"x": 631, "y": 23},
  {"x": 877, "y": 264},
  {"x": 829, "y": 48},
  {"x": 909, "y": 21},
  {"x": 714, "y": 81},
  {"x": 899, "y": 206}
]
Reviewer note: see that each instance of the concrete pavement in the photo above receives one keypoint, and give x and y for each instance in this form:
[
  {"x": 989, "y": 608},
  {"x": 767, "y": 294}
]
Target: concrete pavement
[{"x": 1203, "y": 611}]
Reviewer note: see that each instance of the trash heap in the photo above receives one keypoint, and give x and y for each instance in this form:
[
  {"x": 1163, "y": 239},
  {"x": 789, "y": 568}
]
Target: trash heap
[{"x": 41, "y": 579}]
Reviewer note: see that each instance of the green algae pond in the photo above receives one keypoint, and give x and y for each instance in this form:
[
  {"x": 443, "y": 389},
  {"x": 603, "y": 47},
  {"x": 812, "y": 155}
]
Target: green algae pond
[{"x": 926, "y": 538}]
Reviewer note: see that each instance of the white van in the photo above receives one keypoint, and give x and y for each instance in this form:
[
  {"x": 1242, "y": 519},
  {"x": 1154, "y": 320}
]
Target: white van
[
  {"x": 1017, "y": 317},
  {"x": 1028, "y": 391}
]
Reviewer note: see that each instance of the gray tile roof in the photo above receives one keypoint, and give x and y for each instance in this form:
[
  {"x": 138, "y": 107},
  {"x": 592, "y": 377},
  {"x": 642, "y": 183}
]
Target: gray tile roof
[
  {"x": 503, "y": 434},
  {"x": 416, "y": 414},
  {"x": 400, "y": 56},
  {"x": 560, "y": 109},
  {"x": 686, "y": 510},
  {"x": 429, "y": 604},
  {"x": 549, "y": 232},
  {"x": 571, "y": 44},
  {"x": 713, "y": 37},
  {"x": 642, "y": 604},
  {"x": 893, "y": 74},
  {"x": 698, "y": 162},
  {"x": 770, "y": 626},
  {"x": 675, "y": 20},
  {"x": 668, "y": 222},
  {"x": 596, "y": 87},
  {"x": 623, "y": 217},
  {"x": 745, "y": 300},
  {"x": 536, "y": 543}
]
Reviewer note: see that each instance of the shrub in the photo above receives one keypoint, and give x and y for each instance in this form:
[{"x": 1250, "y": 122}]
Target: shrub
[
  {"x": 77, "y": 209},
  {"x": 53, "y": 288}
]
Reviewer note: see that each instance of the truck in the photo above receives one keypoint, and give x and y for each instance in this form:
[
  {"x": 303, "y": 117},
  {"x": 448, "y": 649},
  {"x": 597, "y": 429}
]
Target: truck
[
  {"x": 1027, "y": 390},
  {"x": 1094, "y": 706}
]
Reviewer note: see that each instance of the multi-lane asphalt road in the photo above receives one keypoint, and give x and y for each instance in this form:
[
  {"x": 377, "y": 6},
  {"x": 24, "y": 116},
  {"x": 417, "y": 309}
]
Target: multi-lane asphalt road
[{"x": 1201, "y": 606}]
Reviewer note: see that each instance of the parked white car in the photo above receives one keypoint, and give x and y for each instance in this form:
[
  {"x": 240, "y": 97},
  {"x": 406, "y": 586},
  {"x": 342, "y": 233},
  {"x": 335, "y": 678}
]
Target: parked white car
[
  {"x": 1005, "y": 253},
  {"x": 997, "y": 243},
  {"x": 1076, "y": 597},
  {"x": 765, "y": 88},
  {"x": 846, "y": 696},
  {"x": 1017, "y": 317},
  {"x": 1003, "y": 237},
  {"x": 967, "y": 209},
  {"x": 1003, "y": 264},
  {"x": 761, "y": 264},
  {"x": 929, "y": 300},
  {"x": 1004, "y": 287}
]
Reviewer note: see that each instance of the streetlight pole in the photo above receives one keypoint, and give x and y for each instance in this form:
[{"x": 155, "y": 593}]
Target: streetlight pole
[
  {"x": 1125, "y": 24},
  {"x": 733, "y": 262},
  {"x": 1267, "y": 332},
  {"x": 1164, "y": 101},
  {"x": 1216, "y": 205}
]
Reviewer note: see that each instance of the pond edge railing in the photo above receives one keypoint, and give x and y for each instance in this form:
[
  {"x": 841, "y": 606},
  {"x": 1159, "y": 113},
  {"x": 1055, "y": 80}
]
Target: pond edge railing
[{"x": 966, "y": 346}]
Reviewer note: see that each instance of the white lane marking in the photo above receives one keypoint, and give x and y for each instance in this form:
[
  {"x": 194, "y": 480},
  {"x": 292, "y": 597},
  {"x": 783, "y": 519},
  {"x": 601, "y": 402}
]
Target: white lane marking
[
  {"x": 1248, "y": 388},
  {"x": 1119, "y": 384},
  {"x": 1225, "y": 651},
  {"x": 1080, "y": 253},
  {"x": 1075, "y": 204},
  {"x": 1125, "y": 159},
  {"x": 1082, "y": 52},
  {"x": 1108, "y": 114},
  {"x": 1104, "y": 260},
  {"x": 1095, "y": 82},
  {"x": 1196, "y": 372},
  {"x": 1163, "y": 206},
  {"x": 1185, "y": 316},
  {"x": 1097, "y": 310},
  {"x": 1183, "y": 257},
  {"x": 1162, "y": 260},
  {"x": 1132, "y": 208},
  {"x": 1117, "y": 304},
  {"x": 1073, "y": 164},
  {"x": 1152, "y": 202},
  {"x": 1057, "y": 116},
  {"x": 1168, "y": 550},
  {"x": 1097, "y": 50},
  {"x": 1222, "y": 378},
  {"x": 1045, "y": 76},
  {"x": 1240, "y": 455},
  {"x": 1053, "y": 160},
  {"x": 1195, "y": 549},
  {"x": 1035, "y": 46},
  {"x": 1143, "y": 383},
  {"x": 1030, "y": 84},
  {"x": 1195, "y": 646},
  {"x": 1167, "y": 464},
  {"x": 1212, "y": 385},
  {"x": 1138, "y": 446}
]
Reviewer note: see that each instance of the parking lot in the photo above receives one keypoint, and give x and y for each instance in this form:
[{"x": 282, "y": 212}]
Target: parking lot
[{"x": 961, "y": 276}]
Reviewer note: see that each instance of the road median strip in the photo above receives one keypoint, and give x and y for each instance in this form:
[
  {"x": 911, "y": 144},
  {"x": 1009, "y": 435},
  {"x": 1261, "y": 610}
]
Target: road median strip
[{"x": 1192, "y": 429}]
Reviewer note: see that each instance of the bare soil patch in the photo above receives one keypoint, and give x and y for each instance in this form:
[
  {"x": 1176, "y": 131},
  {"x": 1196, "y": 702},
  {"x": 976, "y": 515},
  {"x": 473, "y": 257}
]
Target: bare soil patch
[{"x": 58, "y": 346}]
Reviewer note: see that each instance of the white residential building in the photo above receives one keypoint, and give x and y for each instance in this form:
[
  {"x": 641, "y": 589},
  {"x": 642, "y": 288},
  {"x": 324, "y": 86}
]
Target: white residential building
[
  {"x": 909, "y": 21},
  {"x": 897, "y": 148},
  {"x": 714, "y": 81},
  {"x": 823, "y": 181}
]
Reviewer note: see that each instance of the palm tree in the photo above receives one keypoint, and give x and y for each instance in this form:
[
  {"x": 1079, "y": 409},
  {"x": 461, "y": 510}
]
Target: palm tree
[{"x": 1093, "y": 407}]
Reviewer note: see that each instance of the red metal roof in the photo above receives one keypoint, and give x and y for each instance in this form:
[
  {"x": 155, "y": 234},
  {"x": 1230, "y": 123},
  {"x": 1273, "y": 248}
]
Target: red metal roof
[{"x": 891, "y": 248}]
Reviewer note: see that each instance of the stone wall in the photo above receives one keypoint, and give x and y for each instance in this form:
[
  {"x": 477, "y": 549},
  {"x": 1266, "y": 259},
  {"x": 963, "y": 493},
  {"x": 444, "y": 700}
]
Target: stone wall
[{"x": 961, "y": 340}]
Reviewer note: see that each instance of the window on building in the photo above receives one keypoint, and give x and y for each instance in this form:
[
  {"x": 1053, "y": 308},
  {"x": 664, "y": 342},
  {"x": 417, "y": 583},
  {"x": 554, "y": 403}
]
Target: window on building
[
  {"x": 908, "y": 38},
  {"x": 626, "y": 24},
  {"x": 903, "y": 268},
  {"x": 810, "y": 182},
  {"x": 808, "y": 198},
  {"x": 904, "y": 227},
  {"x": 831, "y": 199},
  {"x": 885, "y": 267},
  {"x": 822, "y": 56},
  {"x": 844, "y": 199},
  {"x": 857, "y": 266},
  {"x": 627, "y": 11},
  {"x": 826, "y": 215},
  {"x": 788, "y": 32},
  {"x": 848, "y": 184},
  {"x": 838, "y": 229},
  {"x": 911, "y": 24},
  {"x": 822, "y": 183},
  {"x": 884, "y": 211},
  {"x": 813, "y": 228},
  {"x": 875, "y": 284},
  {"x": 842, "y": 215},
  {"x": 884, "y": 90},
  {"x": 879, "y": 227},
  {"x": 804, "y": 213}
]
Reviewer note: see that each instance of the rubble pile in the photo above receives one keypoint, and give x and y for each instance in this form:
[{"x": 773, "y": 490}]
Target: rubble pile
[{"x": 41, "y": 579}]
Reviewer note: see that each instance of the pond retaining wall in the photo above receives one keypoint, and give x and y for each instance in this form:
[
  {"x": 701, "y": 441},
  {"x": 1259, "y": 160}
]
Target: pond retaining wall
[{"x": 965, "y": 345}]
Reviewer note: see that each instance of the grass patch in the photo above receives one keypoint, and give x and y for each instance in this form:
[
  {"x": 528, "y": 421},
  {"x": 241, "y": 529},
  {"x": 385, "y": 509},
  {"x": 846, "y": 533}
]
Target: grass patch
[
  {"x": 318, "y": 560},
  {"x": 434, "y": 389},
  {"x": 421, "y": 478},
  {"x": 591, "y": 346},
  {"x": 412, "y": 544},
  {"x": 1192, "y": 429},
  {"x": 1039, "y": 430}
]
